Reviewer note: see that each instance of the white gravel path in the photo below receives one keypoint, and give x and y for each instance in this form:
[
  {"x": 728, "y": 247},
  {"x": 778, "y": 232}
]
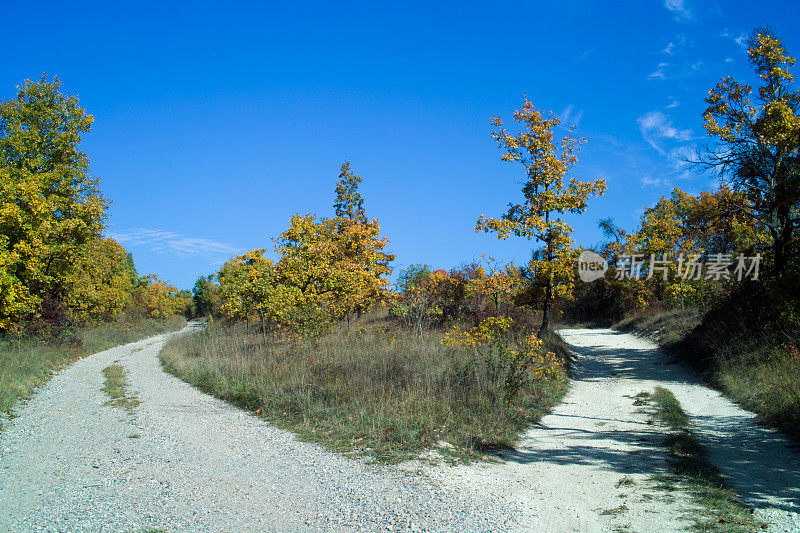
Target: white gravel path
[
  {"x": 567, "y": 470},
  {"x": 68, "y": 462}
]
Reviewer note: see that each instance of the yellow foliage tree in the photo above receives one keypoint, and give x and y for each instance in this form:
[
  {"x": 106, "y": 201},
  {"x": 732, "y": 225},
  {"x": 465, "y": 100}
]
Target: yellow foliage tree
[
  {"x": 423, "y": 296},
  {"x": 498, "y": 287},
  {"x": 100, "y": 282},
  {"x": 677, "y": 231},
  {"x": 547, "y": 197},
  {"x": 759, "y": 145},
  {"x": 249, "y": 285},
  {"x": 337, "y": 265},
  {"x": 156, "y": 299}
]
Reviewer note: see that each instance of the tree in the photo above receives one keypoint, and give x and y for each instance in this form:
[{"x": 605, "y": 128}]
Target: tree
[
  {"x": 547, "y": 197},
  {"x": 185, "y": 303},
  {"x": 616, "y": 235},
  {"x": 664, "y": 237},
  {"x": 232, "y": 286},
  {"x": 498, "y": 287},
  {"x": 717, "y": 227},
  {"x": 349, "y": 203},
  {"x": 205, "y": 296},
  {"x": 100, "y": 282},
  {"x": 411, "y": 276},
  {"x": 335, "y": 264},
  {"x": 327, "y": 269},
  {"x": 249, "y": 283},
  {"x": 758, "y": 144},
  {"x": 49, "y": 206},
  {"x": 419, "y": 301},
  {"x": 156, "y": 299}
]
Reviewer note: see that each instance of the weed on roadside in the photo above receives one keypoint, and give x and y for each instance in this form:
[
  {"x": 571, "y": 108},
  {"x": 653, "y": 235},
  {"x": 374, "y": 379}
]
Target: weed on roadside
[
  {"x": 356, "y": 393},
  {"x": 116, "y": 386}
]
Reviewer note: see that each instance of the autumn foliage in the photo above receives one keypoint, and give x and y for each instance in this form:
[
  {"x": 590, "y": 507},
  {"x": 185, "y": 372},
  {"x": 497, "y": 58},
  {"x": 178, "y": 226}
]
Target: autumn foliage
[
  {"x": 56, "y": 268},
  {"x": 327, "y": 269},
  {"x": 547, "y": 197}
]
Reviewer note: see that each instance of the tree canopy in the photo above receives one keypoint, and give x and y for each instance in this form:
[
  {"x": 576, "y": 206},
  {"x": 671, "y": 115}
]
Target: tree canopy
[
  {"x": 547, "y": 196},
  {"x": 759, "y": 144}
]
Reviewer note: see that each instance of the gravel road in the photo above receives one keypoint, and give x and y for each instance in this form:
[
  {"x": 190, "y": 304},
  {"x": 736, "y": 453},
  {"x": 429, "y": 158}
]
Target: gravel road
[
  {"x": 588, "y": 465},
  {"x": 184, "y": 461}
]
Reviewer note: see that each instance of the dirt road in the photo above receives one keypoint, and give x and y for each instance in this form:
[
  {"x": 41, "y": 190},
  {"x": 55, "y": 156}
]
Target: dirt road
[
  {"x": 588, "y": 466},
  {"x": 184, "y": 461}
]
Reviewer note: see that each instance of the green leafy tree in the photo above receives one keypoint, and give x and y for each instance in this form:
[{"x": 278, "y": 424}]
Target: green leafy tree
[
  {"x": 348, "y": 203},
  {"x": 413, "y": 275},
  {"x": 205, "y": 296},
  {"x": 49, "y": 205}
]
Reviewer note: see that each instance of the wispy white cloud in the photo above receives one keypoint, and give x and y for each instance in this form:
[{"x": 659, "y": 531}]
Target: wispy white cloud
[
  {"x": 649, "y": 181},
  {"x": 669, "y": 49},
  {"x": 569, "y": 118},
  {"x": 673, "y": 103},
  {"x": 655, "y": 125},
  {"x": 729, "y": 60},
  {"x": 675, "y": 70},
  {"x": 739, "y": 38},
  {"x": 170, "y": 242},
  {"x": 659, "y": 74},
  {"x": 678, "y": 9},
  {"x": 682, "y": 157}
]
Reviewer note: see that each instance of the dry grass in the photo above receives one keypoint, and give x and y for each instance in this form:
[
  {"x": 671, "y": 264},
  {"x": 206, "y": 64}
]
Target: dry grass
[
  {"x": 377, "y": 389},
  {"x": 28, "y": 363},
  {"x": 667, "y": 328}
]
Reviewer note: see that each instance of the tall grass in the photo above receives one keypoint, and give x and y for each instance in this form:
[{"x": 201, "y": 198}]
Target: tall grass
[
  {"x": 26, "y": 363},
  {"x": 375, "y": 389}
]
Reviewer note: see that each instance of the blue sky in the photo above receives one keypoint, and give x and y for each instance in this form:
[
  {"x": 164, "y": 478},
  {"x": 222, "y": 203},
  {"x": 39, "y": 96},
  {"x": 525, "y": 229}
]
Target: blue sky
[{"x": 215, "y": 122}]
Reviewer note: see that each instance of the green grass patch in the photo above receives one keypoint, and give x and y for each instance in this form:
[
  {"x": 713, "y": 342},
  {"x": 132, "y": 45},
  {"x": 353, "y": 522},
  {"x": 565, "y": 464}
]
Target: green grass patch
[
  {"x": 376, "y": 390},
  {"x": 668, "y": 409},
  {"x": 691, "y": 467},
  {"x": 116, "y": 386},
  {"x": 27, "y": 363}
]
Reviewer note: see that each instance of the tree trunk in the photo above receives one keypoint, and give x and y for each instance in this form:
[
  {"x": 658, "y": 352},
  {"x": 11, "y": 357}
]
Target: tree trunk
[
  {"x": 263, "y": 325},
  {"x": 548, "y": 291},
  {"x": 548, "y": 295},
  {"x": 780, "y": 249}
]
